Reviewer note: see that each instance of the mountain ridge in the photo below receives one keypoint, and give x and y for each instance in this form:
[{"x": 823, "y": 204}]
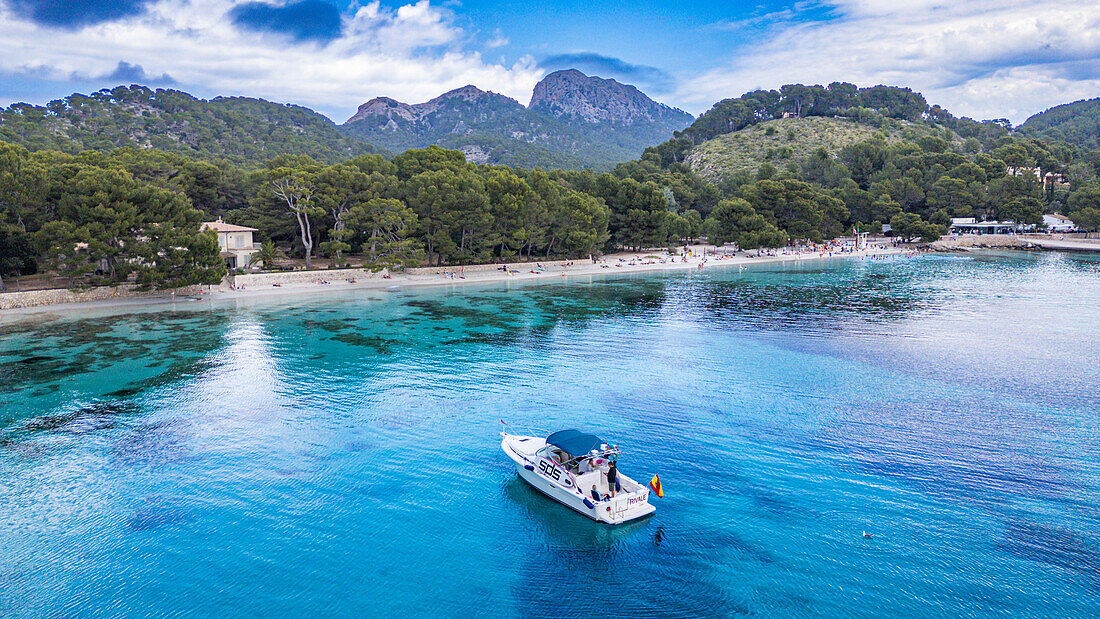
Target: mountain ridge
[
  {"x": 586, "y": 121},
  {"x": 416, "y": 111}
]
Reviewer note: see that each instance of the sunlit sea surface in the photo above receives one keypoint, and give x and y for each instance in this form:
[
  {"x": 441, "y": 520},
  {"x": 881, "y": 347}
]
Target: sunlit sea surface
[{"x": 338, "y": 454}]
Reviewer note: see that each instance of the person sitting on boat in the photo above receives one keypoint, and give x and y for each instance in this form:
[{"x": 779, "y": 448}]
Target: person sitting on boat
[
  {"x": 586, "y": 463},
  {"x": 596, "y": 494}
]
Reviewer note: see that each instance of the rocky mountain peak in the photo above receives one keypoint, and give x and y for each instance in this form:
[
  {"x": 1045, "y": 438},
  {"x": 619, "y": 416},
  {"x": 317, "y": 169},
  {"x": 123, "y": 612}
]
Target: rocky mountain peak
[
  {"x": 384, "y": 107},
  {"x": 468, "y": 92},
  {"x": 597, "y": 100},
  {"x": 469, "y": 95},
  {"x": 573, "y": 121}
]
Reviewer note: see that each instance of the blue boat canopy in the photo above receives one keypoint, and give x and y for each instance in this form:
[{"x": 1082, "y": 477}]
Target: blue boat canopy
[{"x": 574, "y": 441}]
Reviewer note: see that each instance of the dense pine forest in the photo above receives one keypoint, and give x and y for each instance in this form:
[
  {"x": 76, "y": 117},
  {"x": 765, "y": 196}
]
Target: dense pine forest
[
  {"x": 1076, "y": 123},
  {"x": 241, "y": 130},
  {"x": 130, "y": 210}
]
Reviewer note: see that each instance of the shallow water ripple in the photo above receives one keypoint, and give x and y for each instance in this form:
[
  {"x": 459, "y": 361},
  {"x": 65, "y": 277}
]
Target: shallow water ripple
[{"x": 338, "y": 455}]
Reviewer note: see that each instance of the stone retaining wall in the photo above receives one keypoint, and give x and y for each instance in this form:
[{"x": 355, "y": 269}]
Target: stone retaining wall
[
  {"x": 980, "y": 241},
  {"x": 475, "y": 268},
  {"x": 54, "y": 296}
]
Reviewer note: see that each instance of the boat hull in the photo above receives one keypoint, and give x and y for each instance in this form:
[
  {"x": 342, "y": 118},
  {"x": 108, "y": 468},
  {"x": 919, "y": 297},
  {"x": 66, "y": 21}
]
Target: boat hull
[{"x": 539, "y": 473}]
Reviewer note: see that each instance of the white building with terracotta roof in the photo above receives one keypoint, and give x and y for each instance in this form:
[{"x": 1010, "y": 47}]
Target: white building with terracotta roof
[
  {"x": 1059, "y": 223},
  {"x": 235, "y": 242}
]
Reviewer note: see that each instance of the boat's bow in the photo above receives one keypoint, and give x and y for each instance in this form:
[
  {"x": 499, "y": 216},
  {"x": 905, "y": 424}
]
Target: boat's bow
[{"x": 521, "y": 449}]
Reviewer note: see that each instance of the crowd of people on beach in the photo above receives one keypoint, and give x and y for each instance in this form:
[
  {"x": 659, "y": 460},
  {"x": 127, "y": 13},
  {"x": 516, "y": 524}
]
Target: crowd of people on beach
[
  {"x": 698, "y": 258},
  {"x": 688, "y": 255}
]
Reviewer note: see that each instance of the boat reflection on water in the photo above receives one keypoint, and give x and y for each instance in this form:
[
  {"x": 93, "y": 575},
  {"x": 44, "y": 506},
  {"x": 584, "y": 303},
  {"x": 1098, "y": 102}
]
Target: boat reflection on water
[{"x": 565, "y": 526}]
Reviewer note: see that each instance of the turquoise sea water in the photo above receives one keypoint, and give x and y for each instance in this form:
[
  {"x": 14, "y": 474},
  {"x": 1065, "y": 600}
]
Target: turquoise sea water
[{"x": 338, "y": 455}]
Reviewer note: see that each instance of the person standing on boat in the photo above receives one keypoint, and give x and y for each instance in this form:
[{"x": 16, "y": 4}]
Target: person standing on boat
[{"x": 613, "y": 478}]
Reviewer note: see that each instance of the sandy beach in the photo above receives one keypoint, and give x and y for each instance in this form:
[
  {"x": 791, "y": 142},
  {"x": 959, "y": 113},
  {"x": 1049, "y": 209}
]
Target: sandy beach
[{"x": 560, "y": 270}]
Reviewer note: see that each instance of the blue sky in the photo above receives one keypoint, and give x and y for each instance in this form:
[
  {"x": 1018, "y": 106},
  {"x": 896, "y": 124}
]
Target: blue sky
[{"x": 983, "y": 59}]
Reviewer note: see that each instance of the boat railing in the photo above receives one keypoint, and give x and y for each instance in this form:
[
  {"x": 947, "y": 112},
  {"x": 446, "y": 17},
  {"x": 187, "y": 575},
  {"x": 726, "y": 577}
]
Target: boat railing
[
  {"x": 603, "y": 453},
  {"x": 529, "y": 430}
]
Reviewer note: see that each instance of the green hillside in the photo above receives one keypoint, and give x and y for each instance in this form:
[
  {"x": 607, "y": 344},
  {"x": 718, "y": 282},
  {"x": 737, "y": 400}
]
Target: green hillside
[
  {"x": 1077, "y": 123},
  {"x": 239, "y": 129},
  {"x": 784, "y": 140},
  {"x": 496, "y": 150}
]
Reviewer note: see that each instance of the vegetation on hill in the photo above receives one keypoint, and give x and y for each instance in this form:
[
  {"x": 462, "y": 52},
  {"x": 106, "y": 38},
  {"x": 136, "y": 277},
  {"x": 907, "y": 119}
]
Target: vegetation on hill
[
  {"x": 781, "y": 140},
  {"x": 491, "y": 148},
  {"x": 1076, "y": 123},
  {"x": 897, "y": 161},
  {"x": 488, "y": 149},
  {"x": 240, "y": 130},
  {"x": 876, "y": 106},
  {"x": 397, "y": 127}
]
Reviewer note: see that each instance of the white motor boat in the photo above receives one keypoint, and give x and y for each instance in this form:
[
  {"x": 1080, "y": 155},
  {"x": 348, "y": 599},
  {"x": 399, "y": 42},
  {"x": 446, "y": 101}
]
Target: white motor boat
[{"x": 567, "y": 464}]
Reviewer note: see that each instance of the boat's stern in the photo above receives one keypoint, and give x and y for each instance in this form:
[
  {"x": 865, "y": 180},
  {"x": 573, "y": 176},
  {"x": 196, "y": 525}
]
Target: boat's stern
[{"x": 624, "y": 507}]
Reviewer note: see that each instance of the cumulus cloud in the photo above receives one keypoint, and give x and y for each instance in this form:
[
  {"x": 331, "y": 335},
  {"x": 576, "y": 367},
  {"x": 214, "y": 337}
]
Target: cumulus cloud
[
  {"x": 410, "y": 27},
  {"x": 413, "y": 52},
  {"x": 992, "y": 59},
  {"x": 498, "y": 40},
  {"x": 644, "y": 76}
]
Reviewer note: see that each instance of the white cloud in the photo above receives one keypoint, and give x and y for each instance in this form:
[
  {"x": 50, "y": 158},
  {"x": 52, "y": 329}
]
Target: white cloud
[
  {"x": 412, "y": 53},
  {"x": 982, "y": 59},
  {"x": 498, "y": 40},
  {"x": 996, "y": 58}
]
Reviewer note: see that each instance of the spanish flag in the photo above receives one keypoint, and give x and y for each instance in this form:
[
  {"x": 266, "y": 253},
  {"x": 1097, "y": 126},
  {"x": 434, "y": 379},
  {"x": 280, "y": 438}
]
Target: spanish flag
[{"x": 655, "y": 485}]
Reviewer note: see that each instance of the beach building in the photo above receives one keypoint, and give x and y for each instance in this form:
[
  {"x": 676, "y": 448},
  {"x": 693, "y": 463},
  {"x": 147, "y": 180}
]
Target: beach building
[
  {"x": 235, "y": 242},
  {"x": 1059, "y": 223},
  {"x": 969, "y": 225}
]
